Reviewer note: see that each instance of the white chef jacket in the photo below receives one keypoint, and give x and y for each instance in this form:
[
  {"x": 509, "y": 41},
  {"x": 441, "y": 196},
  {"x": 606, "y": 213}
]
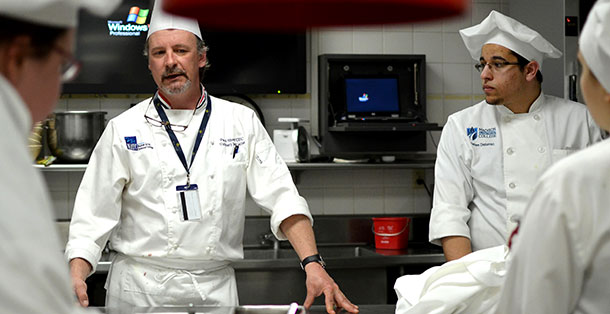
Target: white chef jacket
[
  {"x": 489, "y": 159},
  {"x": 128, "y": 192},
  {"x": 34, "y": 277},
  {"x": 560, "y": 260}
]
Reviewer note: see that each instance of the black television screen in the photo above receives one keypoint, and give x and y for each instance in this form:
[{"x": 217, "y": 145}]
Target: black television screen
[
  {"x": 366, "y": 97},
  {"x": 110, "y": 50}
]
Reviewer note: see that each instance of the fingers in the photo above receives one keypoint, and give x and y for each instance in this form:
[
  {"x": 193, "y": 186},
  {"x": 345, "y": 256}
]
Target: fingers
[
  {"x": 336, "y": 301},
  {"x": 344, "y": 303},
  {"x": 80, "y": 289},
  {"x": 308, "y": 300},
  {"x": 329, "y": 300}
]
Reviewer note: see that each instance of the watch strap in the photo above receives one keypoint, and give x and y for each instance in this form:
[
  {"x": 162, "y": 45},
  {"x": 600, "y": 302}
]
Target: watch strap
[{"x": 313, "y": 258}]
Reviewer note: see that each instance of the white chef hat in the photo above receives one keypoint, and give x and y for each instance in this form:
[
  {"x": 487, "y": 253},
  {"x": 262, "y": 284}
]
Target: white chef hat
[
  {"x": 507, "y": 32},
  {"x": 161, "y": 20},
  {"x": 55, "y": 13},
  {"x": 595, "y": 42}
]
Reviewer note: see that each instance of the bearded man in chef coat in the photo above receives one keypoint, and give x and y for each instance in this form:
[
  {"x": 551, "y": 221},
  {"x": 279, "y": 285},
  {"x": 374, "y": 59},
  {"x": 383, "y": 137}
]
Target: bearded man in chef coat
[
  {"x": 36, "y": 56},
  {"x": 491, "y": 154},
  {"x": 166, "y": 185}
]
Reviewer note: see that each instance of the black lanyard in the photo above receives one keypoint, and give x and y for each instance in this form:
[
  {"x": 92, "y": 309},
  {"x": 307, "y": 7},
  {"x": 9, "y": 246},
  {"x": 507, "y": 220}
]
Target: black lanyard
[{"x": 174, "y": 139}]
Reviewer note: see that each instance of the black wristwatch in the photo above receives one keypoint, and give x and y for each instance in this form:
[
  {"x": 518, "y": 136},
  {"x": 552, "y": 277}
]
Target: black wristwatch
[{"x": 314, "y": 258}]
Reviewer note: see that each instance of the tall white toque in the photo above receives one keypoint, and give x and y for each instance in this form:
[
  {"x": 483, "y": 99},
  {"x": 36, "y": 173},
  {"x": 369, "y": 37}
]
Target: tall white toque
[
  {"x": 161, "y": 20},
  {"x": 594, "y": 42},
  {"x": 502, "y": 30}
]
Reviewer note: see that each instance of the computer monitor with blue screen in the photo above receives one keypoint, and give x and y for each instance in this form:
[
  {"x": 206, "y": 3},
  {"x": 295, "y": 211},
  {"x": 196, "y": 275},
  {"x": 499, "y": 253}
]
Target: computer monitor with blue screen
[{"x": 371, "y": 97}]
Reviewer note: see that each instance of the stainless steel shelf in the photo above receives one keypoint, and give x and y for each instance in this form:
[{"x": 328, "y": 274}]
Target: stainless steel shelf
[
  {"x": 63, "y": 167},
  {"x": 424, "y": 164},
  {"x": 416, "y": 164}
]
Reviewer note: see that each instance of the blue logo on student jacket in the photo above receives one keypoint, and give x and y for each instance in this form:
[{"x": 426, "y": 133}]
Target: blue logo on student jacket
[
  {"x": 472, "y": 133},
  {"x": 132, "y": 144},
  {"x": 481, "y": 137}
]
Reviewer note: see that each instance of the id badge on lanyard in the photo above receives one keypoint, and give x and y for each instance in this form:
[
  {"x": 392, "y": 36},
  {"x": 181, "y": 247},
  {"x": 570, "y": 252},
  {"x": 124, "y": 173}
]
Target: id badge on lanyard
[
  {"x": 188, "y": 202},
  {"x": 188, "y": 195}
]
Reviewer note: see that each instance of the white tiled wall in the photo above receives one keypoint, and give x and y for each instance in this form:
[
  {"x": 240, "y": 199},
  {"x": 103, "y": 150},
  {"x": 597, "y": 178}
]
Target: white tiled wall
[{"x": 452, "y": 84}]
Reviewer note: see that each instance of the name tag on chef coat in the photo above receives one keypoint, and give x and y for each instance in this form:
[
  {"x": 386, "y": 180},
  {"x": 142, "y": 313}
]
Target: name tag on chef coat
[{"x": 188, "y": 202}]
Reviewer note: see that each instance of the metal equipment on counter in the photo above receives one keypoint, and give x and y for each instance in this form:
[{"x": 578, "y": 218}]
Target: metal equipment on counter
[{"x": 72, "y": 135}]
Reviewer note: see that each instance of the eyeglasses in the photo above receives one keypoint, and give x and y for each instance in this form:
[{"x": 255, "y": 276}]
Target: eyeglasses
[
  {"x": 174, "y": 127},
  {"x": 494, "y": 66},
  {"x": 70, "y": 68}
]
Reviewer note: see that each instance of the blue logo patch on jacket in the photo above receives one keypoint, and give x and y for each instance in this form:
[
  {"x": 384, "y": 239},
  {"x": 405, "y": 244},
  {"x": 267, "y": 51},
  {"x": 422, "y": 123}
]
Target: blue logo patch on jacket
[
  {"x": 472, "y": 133},
  {"x": 132, "y": 144},
  {"x": 480, "y": 134}
]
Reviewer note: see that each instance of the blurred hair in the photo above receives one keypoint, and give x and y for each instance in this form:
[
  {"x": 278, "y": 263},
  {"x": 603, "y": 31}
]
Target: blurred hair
[{"x": 43, "y": 38}]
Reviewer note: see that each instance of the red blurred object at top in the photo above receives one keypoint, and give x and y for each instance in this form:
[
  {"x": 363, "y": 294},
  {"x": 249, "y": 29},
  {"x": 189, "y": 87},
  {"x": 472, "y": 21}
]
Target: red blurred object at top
[{"x": 287, "y": 15}]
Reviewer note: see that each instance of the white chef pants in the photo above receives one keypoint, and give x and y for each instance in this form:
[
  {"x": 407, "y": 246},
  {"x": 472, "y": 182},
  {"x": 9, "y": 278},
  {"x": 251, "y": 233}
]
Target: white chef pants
[{"x": 133, "y": 283}]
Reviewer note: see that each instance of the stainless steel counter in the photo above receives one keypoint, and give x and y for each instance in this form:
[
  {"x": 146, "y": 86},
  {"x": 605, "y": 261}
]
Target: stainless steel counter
[
  {"x": 273, "y": 276},
  {"x": 336, "y": 257},
  {"x": 270, "y": 309}
]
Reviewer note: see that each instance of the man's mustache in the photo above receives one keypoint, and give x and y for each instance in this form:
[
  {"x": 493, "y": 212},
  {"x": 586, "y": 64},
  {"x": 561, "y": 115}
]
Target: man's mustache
[{"x": 173, "y": 72}]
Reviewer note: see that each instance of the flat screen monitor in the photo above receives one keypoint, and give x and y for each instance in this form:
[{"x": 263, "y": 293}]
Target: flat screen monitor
[
  {"x": 111, "y": 52},
  {"x": 370, "y": 97}
]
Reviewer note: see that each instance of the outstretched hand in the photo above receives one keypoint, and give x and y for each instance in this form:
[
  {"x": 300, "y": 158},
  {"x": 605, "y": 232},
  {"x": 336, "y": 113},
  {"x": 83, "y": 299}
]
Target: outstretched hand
[{"x": 318, "y": 282}]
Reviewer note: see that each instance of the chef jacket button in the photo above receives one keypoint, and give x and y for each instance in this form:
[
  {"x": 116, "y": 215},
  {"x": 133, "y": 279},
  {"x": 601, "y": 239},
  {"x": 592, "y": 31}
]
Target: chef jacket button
[
  {"x": 212, "y": 176},
  {"x": 512, "y": 185},
  {"x": 541, "y": 149},
  {"x": 510, "y": 151},
  {"x": 174, "y": 211},
  {"x": 507, "y": 119},
  {"x": 208, "y": 249},
  {"x": 176, "y": 246},
  {"x": 211, "y": 212},
  {"x": 536, "y": 117}
]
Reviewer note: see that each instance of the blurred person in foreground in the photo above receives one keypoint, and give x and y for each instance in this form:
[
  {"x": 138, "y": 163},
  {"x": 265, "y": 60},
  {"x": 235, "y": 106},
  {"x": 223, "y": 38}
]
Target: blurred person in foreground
[
  {"x": 36, "y": 55},
  {"x": 560, "y": 259},
  {"x": 490, "y": 155},
  {"x": 166, "y": 186}
]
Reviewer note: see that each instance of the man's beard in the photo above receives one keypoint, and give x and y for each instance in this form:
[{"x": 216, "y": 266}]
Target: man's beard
[{"x": 175, "y": 90}]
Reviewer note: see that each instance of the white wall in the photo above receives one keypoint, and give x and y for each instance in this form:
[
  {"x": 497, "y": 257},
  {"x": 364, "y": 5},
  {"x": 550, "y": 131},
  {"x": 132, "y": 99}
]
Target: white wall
[
  {"x": 551, "y": 27},
  {"x": 452, "y": 84}
]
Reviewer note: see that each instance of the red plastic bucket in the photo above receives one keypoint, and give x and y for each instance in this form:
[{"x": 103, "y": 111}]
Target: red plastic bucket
[{"x": 391, "y": 232}]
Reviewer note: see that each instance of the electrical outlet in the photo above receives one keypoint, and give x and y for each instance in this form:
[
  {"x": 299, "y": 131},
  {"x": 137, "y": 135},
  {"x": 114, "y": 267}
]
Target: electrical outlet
[{"x": 418, "y": 174}]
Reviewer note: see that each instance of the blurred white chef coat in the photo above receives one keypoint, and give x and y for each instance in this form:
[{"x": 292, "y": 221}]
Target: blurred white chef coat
[
  {"x": 34, "y": 276},
  {"x": 489, "y": 159},
  {"x": 560, "y": 260}
]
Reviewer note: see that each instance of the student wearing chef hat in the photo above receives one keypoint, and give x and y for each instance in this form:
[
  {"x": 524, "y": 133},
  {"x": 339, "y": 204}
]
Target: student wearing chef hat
[
  {"x": 491, "y": 154},
  {"x": 175, "y": 221},
  {"x": 36, "y": 56},
  {"x": 561, "y": 258}
]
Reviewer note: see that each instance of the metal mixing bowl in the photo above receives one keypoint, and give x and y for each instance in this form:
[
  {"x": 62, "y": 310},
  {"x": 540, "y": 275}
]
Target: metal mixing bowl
[{"x": 72, "y": 135}]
